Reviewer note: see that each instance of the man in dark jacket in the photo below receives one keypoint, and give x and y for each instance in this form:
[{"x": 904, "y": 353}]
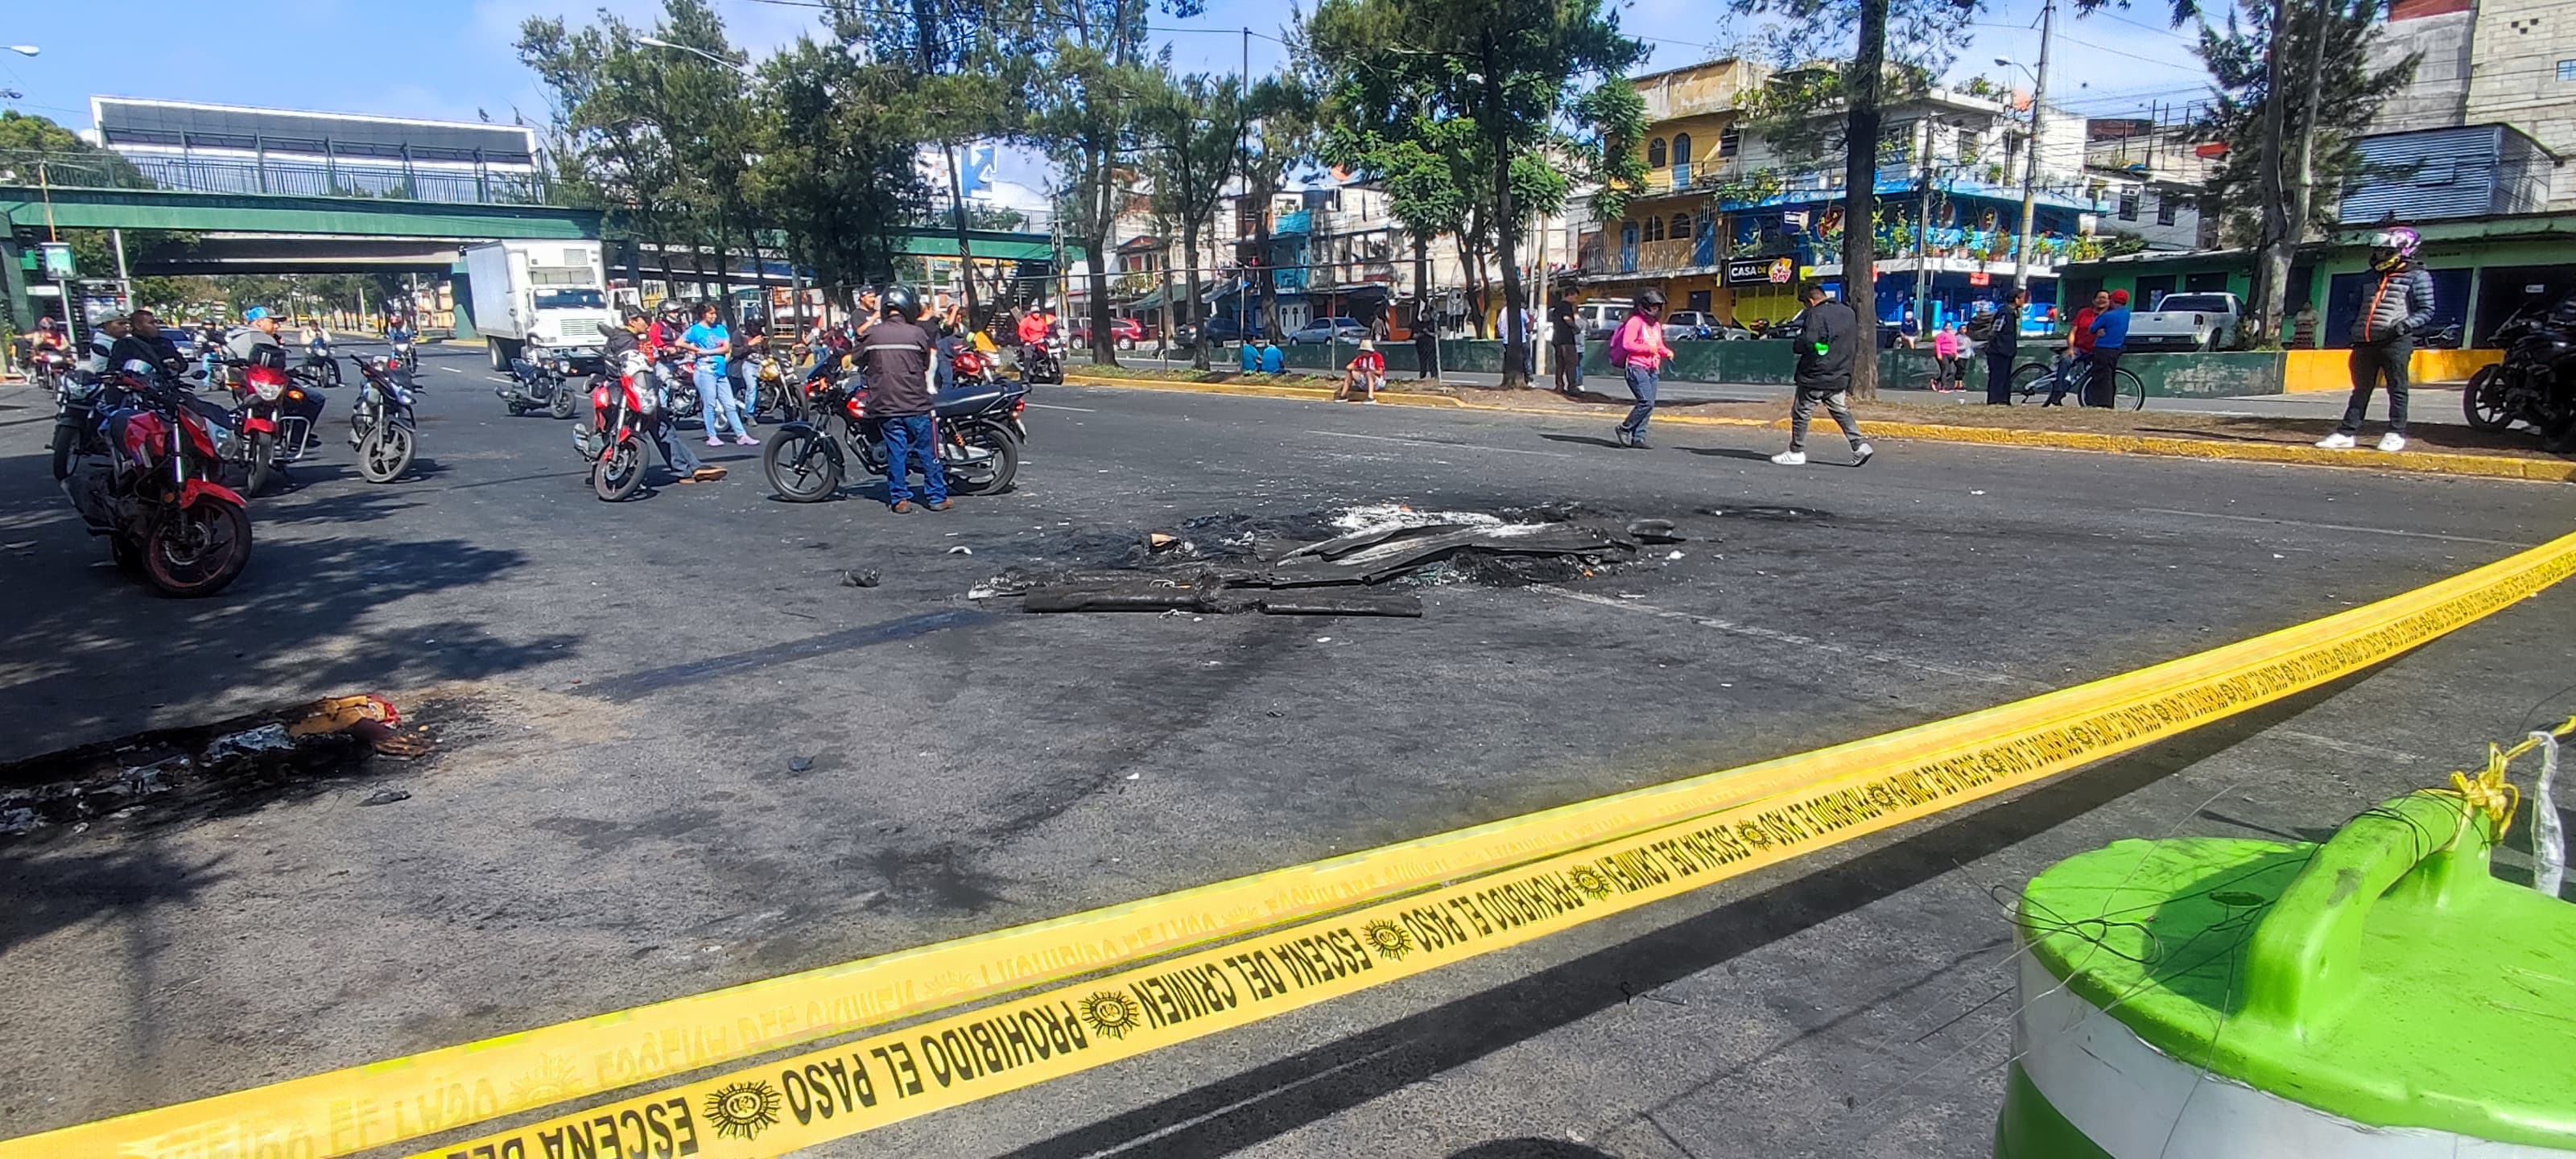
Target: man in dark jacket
[
  {"x": 895, "y": 358},
  {"x": 2396, "y": 304},
  {"x": 1828, "y": 332},
  {"x": 2001, "y": 345},
  {"x": 625, "y": 356}
]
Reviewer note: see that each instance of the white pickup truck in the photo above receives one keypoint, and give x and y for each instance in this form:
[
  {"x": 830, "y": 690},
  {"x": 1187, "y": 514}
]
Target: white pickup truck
[{"x": 2190, "y": 321}]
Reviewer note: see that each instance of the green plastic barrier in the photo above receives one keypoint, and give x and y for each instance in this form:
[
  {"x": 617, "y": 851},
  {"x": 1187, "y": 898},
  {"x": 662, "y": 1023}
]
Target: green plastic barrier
[{"x": 2381, "y": 995}]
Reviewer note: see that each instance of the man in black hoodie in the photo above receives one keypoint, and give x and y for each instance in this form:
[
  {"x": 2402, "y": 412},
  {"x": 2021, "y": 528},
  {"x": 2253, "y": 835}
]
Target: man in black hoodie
[{"x": 1828, "y": 332}]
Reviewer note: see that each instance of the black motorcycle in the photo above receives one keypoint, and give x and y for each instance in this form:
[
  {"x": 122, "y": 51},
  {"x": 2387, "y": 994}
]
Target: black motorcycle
[
  {"x": 2536, "y": 382},
  {"x": 540, "y": 385},
  {"x": 78, "y": 400},
  {"x": 1043, "y": 360},
  {"x": 973, "y": 433},
  {"x": 380, "y": 422}
]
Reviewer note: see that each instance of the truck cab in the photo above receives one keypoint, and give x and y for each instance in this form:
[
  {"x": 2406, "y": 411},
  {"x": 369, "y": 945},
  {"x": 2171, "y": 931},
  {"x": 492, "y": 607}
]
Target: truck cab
[{"x": 543, "y": 301}]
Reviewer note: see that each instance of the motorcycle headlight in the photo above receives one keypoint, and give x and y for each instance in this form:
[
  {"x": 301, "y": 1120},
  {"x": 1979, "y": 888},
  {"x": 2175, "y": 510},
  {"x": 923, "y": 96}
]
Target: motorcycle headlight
[{"x": 268, "y": 391}]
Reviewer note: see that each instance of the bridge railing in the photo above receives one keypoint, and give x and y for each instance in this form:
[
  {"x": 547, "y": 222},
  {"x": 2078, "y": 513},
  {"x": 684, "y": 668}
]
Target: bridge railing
[{"x": 477, "y": 185}]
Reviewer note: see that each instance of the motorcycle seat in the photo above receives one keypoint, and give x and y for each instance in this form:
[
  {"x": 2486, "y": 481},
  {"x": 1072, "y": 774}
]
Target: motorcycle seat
[{"x": 972, "y": 400}]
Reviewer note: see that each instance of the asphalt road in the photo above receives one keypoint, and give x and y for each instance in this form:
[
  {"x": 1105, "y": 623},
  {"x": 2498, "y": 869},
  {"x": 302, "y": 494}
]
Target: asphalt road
[{"x": 620, "y": 690}]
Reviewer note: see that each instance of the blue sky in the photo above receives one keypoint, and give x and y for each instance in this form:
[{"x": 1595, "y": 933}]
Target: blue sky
[{"x": 446, "y": 59}]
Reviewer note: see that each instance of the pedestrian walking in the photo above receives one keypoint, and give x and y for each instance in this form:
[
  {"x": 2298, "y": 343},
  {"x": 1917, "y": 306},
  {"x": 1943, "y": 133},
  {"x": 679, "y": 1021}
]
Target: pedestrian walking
[
  {"x": 1637, "y": 348},
  {"x": 1949, "y": 351},
  {"x": 2079, "y": 348},
  {"x": 897, "y": 356},
  {"x": 2001, "y": 345},
  {"x": 2395, "y": 305},
  {"x": 1828, "y": 332},
  {"x": 1565, "y": 339},
  {"x": 2110, "y": 340},
  {"x": 710, "y": 342}
]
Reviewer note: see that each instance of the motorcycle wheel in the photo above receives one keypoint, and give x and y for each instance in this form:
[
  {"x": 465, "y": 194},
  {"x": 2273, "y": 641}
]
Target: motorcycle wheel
[
  {"x": 264, "y": 468},
  {"x": 63, "y": 439},
  {"x": 386, "y": 454},
  {"x": 994, "y": 475},
  {"x": 801, "y": 466},
  {"x": 562, "y": 406},
  {"x": 198, "y": 551},
  {"x": 621, "y": 474},
  {"x": 2482, "y": 401}
]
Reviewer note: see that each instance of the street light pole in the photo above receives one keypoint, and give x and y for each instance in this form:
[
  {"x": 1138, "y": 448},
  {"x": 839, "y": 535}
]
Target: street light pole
[{"x": 2030, "y": 164}]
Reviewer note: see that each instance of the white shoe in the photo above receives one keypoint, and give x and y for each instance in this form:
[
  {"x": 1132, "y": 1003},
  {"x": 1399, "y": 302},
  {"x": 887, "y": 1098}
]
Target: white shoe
[
  {"x": 2392, "y": 441},
  {"x": 1861, "y": 453},
  {"x": 1790, "y": 458},
  {"x": 2336, "y": 442}
]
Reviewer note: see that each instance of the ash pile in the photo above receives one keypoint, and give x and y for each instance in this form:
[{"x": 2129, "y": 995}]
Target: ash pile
[{"x": 1371, "y": 568}]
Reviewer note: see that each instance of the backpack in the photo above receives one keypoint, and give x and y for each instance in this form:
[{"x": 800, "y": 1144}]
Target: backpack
[{"x": 1617, "y": 355}]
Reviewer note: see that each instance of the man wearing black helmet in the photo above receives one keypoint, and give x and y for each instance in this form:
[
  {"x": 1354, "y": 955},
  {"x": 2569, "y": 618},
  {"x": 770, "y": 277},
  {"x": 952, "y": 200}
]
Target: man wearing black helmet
[
  {"x": 896, "y": 359},
  {"x": 2396, "y": 305}
]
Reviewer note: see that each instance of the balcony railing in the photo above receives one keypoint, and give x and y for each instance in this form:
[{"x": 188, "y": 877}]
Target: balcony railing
[{"x": 375, "y": 180}]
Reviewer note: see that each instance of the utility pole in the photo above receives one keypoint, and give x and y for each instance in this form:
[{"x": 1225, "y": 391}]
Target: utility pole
[
  {"x": 2030, "y": 162},
  {"x": 1923, "y": 236}
]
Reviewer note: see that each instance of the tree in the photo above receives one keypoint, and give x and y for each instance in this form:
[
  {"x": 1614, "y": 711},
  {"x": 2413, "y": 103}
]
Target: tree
[
  {"x": 969, "y": 66},
  {"x": 1520, "y": 72},
  {"x": 2291, "y": 109},
  {"x": 1083, "y": 115},
  {"x": 710, "y": 123},
  {"x": 1784, "y": 112},
  {"x": 836, "y": 163},
  {"x": 611, "y": 152},
  {"x": 1192, "y": 129}
]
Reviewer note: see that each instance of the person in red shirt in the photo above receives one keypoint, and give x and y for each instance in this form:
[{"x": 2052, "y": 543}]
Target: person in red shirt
[
  {"x": 2079, "y": 346},
  {"x": 1367, "y": 370}
]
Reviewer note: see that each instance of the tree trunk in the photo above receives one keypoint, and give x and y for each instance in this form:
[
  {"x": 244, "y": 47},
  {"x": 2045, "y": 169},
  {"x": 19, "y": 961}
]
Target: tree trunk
[
  {"x": 1190, "y": 279},
  {"x": 1096, "y": 223},
  {"x": 1269, "y": 276},
  {"x": 2303, "y": 192},
  {"x": 2272, "y": 277},
  {"x": 1422, "y": 284},
  {"x": 965, "y": 247},
  {"x": 1860, "y": 193}
]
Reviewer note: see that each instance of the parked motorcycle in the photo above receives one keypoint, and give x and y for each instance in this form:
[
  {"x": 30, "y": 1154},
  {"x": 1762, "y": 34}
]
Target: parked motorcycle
[
  {"x": 380, "y": 422},
  {"x": 276, "y": 421},
  {"x": 617, "y": 440},
  {"x": 149, "y": 484},
  {"x": 975, "y": 436},
  {"x": 78, "y": 396},
  {"x": 671, "y": 368},
  {"x": 973, "y": 372},
  {"x": 774, "y": 391},
  {"x": 2536, "y": 382},
  {"x": 539, "y": 385}
]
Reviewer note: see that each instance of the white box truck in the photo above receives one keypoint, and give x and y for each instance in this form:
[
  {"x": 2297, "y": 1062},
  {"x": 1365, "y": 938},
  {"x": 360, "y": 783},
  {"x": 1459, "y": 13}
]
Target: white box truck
[{"x": 544, "y": 296}]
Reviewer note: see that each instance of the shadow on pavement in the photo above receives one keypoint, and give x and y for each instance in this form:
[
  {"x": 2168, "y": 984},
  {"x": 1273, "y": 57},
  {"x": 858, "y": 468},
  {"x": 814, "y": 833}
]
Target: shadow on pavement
[{"x": 1272, "y": 1100}]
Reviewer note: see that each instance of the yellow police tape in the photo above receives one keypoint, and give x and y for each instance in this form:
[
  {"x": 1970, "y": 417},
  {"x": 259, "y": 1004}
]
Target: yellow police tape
[{"x": 1716, "y": 824}]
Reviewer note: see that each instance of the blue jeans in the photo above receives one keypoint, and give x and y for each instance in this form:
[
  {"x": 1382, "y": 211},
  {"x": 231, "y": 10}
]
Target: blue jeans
[
  {"x": 1641, "y": 382},
  {"x": 716, "y": 402},
  {"x": 910, "y": 440},
  {"x": 750, "y": 389}
]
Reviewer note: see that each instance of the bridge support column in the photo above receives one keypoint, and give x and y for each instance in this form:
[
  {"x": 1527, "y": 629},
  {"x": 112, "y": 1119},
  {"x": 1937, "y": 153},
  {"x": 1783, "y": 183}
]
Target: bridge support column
[
  {"x": 461, "y": 286},
  {"x": 22, "y": 312}
]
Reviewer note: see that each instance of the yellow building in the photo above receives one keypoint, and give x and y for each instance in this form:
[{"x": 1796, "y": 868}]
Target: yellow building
[{"x": 1672, "y": 235}]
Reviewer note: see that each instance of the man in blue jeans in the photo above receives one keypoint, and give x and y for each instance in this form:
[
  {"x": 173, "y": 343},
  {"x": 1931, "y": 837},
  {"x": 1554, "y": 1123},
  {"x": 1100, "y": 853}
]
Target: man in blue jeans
[
  {"x": 2110, "y": 341},
  {"x": 896, "y": 355},
  {"x": 711, "y": 343}
]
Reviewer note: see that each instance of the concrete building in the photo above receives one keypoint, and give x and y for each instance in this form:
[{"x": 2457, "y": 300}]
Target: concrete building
[{"x": 2488, "y": 62}]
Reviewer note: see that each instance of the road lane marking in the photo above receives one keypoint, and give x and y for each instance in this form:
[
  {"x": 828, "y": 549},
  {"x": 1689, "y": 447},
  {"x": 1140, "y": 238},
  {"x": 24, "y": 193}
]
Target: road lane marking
[
  {"x": 2332, "y": 527},
  {"x": 1442, "y": 446},
  {"x": 452, "y": 369},
  {"x": 1052, "y": 406},
  {"x": 1779, "y": 637}
]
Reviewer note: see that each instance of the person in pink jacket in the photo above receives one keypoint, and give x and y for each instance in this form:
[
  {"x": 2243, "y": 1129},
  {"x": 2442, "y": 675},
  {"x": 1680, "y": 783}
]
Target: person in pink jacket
[
  {"x": 1638, "y": 350},
  {"x": 1948, "y": 348}
]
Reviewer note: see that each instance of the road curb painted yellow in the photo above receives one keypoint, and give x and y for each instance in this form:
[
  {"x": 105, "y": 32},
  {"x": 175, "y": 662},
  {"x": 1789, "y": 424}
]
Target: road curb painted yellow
[{"x": 2417, "y": 462}]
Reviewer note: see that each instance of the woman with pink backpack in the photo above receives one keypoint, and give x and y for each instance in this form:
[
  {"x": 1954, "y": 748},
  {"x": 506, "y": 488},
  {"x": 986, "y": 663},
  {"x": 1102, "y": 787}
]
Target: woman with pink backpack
[{"x": 1637, "y": 348}]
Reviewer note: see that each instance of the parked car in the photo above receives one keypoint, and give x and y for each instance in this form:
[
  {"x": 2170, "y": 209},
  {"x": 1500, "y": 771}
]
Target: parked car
[
  {"x": 1700, "y": 325},
  {"x": 2194, "y": 321},
  {"x": 1323, "y": 330},
  {"x": 1219, "y": 330},
  {"x": 1598, "y": 319},
  {"x": 1125, "y": 332}
]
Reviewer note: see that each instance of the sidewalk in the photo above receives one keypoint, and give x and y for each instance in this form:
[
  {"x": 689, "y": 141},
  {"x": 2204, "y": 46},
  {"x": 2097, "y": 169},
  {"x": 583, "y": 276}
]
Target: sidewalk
[{"x": 2436, "y": 447}]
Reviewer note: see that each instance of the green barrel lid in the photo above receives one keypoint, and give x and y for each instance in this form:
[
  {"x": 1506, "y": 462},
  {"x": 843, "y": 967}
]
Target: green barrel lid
[{"x": 2384, "y": 976}]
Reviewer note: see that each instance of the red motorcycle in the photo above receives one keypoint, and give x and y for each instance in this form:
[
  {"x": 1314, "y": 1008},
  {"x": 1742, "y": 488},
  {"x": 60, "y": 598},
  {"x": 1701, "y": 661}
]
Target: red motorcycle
[
  {"x": 617, "y": 443},
  {"x": 151, "y": 487},
  {"x": 275, "y": 419}
]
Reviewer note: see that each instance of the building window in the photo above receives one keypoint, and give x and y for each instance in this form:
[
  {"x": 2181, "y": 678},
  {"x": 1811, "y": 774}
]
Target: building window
[
  {"x": 1655, "y": 153},
  {"x": 1730, "y": 141},
  {"x": 1681, "y": 148},
  {"x": 1654, "y": 229},
  {"x": 2166, "y": 207},
  {"x": 1968, "y": 147},
  {"x": 2567, "y": 70},
  {"x": 2128, "y": 205}
]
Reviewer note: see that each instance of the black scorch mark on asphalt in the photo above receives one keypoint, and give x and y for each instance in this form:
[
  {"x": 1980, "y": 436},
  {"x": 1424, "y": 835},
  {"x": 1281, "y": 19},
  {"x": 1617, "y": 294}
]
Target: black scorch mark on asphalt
[{"x": 638, "y": 684}]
